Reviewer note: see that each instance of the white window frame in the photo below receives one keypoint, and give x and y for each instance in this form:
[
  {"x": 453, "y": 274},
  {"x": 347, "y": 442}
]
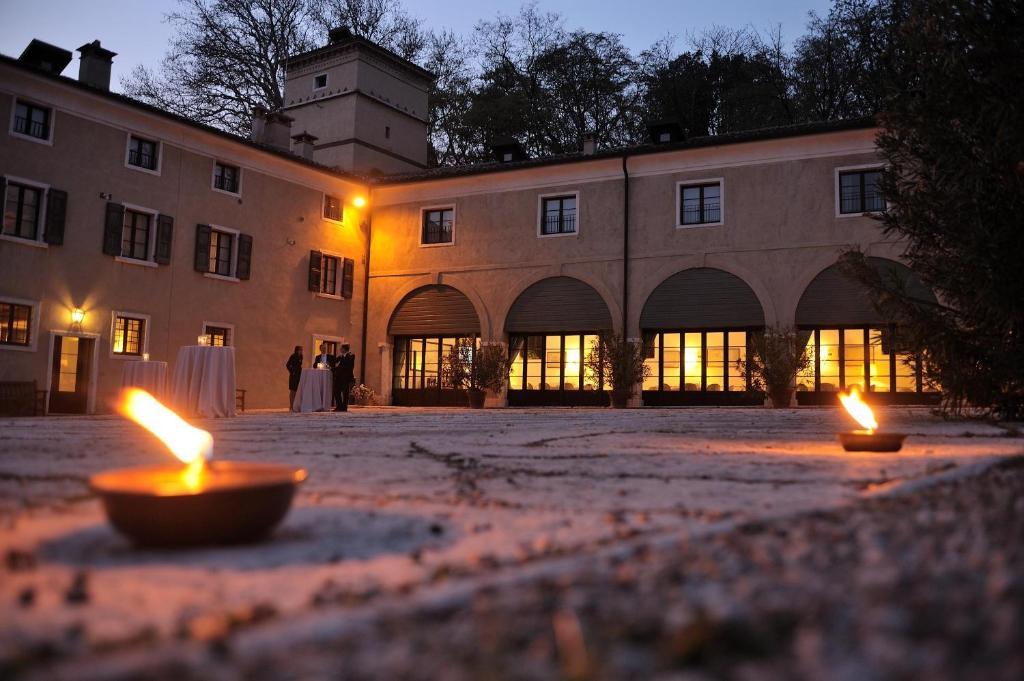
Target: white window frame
[
  {"x": 33, "y": 324},
  {"x": 53, "y": 121},
  {"x": 540, "y": 213},
  {"x": 323, "y": 209},
  {"x": 213, "y": 178},
  {"x": 317, "y": 337},
  {"x": 337, "y": 282},
  {"x": 233, "y": 277},
  {"x": 114, "y": 314},
  {"x": 150, "y": 260},
  {"x": 223, "y": 325},
  {"x": 423, "y": 213},
  {"x": 39, "y": 241},
  {"x": 159, "y": 153},
  {"x": 327, "y": 79},
  {"x": 721, "y": 200},
  {"x": 837, "y": 190}
]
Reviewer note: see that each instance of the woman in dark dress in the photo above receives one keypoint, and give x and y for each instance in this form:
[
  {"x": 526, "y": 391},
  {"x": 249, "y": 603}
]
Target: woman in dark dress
[{"x": 294, "y": 367}]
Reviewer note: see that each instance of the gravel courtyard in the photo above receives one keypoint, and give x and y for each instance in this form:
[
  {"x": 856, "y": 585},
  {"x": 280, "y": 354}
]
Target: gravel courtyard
[{"x": 533, "y": 544}]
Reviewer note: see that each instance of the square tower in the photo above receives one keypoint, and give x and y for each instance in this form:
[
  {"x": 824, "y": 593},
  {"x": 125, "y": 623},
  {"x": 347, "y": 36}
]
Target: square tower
[{"x": 366, "y": 106}]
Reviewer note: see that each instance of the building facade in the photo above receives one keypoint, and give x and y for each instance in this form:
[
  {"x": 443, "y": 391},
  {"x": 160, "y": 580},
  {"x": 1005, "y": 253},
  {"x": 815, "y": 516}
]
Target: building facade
[{"x": 156, "y": 230}]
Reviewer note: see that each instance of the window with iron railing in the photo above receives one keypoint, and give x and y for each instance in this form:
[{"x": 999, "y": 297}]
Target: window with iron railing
[
  {"x": 700, "y": 204},
  {"x": 225, "y": 178},
  {"x": 32, "y": 120},
  {"x": 437, "y": 225},
  {"x": 859, "y": 192},
  {"x": 142, "y": 153},
  {"x": 558, "y": 215}
]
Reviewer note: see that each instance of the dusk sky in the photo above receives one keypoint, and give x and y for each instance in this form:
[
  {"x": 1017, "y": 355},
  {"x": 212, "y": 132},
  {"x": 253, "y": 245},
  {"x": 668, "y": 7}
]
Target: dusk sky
[{"x": 137, "y": 32}]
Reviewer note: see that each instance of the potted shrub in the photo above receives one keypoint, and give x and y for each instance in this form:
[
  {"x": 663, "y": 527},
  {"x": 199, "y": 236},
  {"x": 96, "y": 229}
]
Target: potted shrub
[
  {"x": 477, "y": 370},
  {"x": 620, "y": 364},
  {"x": 776, "y": 357}
]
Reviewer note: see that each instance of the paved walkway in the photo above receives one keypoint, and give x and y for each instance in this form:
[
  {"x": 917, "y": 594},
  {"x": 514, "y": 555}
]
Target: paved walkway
[{"x": 405, "y": 506}]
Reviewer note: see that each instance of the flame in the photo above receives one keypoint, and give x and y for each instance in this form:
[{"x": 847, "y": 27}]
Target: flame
[
  {"x": 190, "y": 444},
  {"x": 859, "y": 410}
]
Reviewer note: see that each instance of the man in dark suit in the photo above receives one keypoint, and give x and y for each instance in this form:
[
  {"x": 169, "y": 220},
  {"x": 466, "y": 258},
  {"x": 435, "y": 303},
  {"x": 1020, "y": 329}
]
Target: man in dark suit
[
  {"x": 344, "y": 377},
  {"x": 324, "y": 360}
]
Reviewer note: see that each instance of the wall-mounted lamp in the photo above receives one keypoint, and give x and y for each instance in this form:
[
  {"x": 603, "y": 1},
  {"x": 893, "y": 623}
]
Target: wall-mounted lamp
[
  {"x": 359, "y": 202},
  {"x": 77, "y": 316}
]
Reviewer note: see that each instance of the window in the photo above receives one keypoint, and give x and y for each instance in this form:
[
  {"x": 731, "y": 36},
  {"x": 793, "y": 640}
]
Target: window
[
  {"x": 552, "y": 362},
  {"x": 135, "y": 235},
  {"x": 858, "y": 356},
  {"x": 558, "y": 215},
  {"x": 387, "y": 132},
  {"x": 437, "y": 226},
  {"x": 705, "y": 361},
  {"x": 859, "y": 192},
  {"x": 31, "y": 120},
  {"x": 329, "y": 275},
  {"x": 15, "y": 324},
  {"x": 225, "y": 178},
  {"x": 222, "y": 246},
  {"x": 332, "y": 208},
  {"x": 129, "y": 335},
  {"x": 320, "y": 81},
  {"x": 220, "y": 334},
  {"x": 700, "y": 203},
  {"x": 419, "y": 362},
  {"x": 22, "y": 210},
  {"x": 143, "y": 153}
]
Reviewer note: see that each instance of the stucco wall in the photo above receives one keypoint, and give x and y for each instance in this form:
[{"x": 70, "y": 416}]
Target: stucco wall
[{"x": 280, "y": 206}]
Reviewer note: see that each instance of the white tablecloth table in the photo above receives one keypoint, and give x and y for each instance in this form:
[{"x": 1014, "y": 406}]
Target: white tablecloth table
[
  {"x": 314, "y": 391},
  {"x": 204, "y": 381},
  {"x": 145, "y": 374}
]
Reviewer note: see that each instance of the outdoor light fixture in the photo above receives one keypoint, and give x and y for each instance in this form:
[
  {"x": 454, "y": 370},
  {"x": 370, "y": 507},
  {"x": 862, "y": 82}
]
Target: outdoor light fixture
[
  {"x": 77, "y": 315},
  {"x": 868, "y": 439},
  {"x": 359, "y": 202},
  {"x": 198, "y": 502}
]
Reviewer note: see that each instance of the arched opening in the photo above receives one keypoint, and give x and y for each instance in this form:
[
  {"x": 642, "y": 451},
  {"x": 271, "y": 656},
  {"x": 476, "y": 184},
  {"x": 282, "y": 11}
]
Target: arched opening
[
  {"x": 425, "y": 326},
  {"x": 696, "y": 328},
  {"x": 551, "y": 326},
  {"x": 851, "y": 344}
]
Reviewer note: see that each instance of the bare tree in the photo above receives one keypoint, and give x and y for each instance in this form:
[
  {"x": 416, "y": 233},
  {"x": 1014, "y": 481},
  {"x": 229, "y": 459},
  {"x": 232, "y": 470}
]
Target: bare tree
[{"x": 384, "y": 22}]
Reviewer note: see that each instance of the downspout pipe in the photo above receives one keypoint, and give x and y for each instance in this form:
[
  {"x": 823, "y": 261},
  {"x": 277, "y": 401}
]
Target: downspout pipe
[
  {"x": 625, "y": 246},
  {"x": 366, "y": 293}
]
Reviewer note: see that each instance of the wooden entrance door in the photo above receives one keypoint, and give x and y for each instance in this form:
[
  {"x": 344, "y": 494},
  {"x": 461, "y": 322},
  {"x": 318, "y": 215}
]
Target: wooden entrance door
[{"x": 72, "y": 364}]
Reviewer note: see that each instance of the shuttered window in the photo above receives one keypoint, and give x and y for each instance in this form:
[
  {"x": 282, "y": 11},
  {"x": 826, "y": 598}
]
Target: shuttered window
[
  {"x": 329, "y": 275},
  {"x": 221, "y": 253},
  {"x": 135, "y": 235},
  {"x": 22, "y": 210}
]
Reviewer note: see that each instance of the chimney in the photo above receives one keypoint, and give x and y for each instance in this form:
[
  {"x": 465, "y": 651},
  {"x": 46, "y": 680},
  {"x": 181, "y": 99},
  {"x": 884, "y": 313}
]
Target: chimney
[
  {"x": 506, "y": 149},
  {"x": 271, "y": 128},
  {"x": 94, "y": 65},
  {"x": 45, "y": 56},
  {"x": 339, "y": 34},
  {"x": 302, "y": 145},
  {"x": 589, "y": 146}
]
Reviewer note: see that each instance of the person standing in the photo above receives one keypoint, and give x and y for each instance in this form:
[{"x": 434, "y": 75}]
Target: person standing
[
  {"x": 294, "y": 366},
  {"x": 344, "y": 377},
  {"x": 324, "y": 360}
]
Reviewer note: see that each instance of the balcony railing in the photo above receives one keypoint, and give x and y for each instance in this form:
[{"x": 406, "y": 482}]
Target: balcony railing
[
  {"x": 565, "y": 223},
  {"x": 28, "y": 127},
  {"x": 143, "y": 159},
  {"x": 692, "y": 215}
]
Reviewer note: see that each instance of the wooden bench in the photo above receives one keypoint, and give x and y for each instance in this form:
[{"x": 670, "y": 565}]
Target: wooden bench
[
  {"x": 240, "y": 399},
  {"x": 21, "y": 398}
]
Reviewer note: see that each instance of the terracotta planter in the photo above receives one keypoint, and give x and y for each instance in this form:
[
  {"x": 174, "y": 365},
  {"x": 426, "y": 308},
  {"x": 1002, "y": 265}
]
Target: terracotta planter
[
  {"x": 476, "y": 398},
  {"x": 781, "y": 397},
  {"x": 620, "y": 398}
]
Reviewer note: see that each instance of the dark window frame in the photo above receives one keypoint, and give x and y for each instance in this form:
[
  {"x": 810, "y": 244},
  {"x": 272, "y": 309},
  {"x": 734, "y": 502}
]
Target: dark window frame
[
  {"x": 7, "y": 323},
  {"x": 703, "y": 331},
  {"x": 330, "y": 268},
  {"x": 861, "y": 199},
  {"x": 316, "y": 81},
  {"x": 229, "y": 182},
  {"x": 24, "y": 124},
  {"x": 566, "y": 222},
  {"x": 584, "y": 351},
  {"x": 130, "y": 229},
  {"x": 435, "y": 237},
  {"x": 403, "y": 346},
  {"x": 223, "y": 333},
  {"x": 707, "y": 214},
  {"x": 40, "y": 193},
  {"x": 815, "y": 331},
  {"x": 222, "y": 251},
  {"x": 137, "y": 156},
  {"x": 123, "y": 323},
  {"x": 332, "y": 212}
]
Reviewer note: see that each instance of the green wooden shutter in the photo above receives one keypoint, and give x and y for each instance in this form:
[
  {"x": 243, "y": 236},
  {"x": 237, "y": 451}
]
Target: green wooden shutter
[
  {"x": 164, "y": 239},
  {"x": 56, "y": 215},
  {"x": 347, "y": 273},
  {"x": 314, "y": 270},
  {"x": 113, "y": 228},
  {"x": 201, "y": 263},
  {"x": 244, "y": 268}
]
